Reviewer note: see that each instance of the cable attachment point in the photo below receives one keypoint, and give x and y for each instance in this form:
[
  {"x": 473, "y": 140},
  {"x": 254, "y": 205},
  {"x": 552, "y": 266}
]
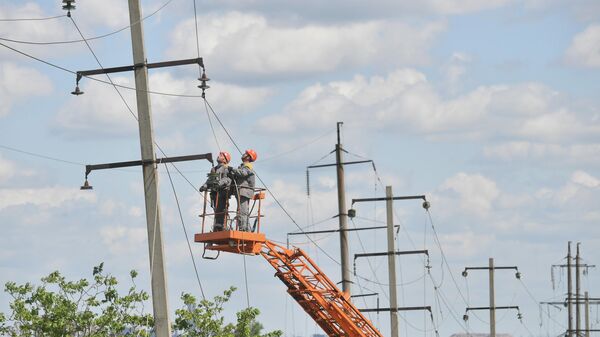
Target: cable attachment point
[
  {"x": 68, "y": 6},
  {"x": 77, "y": 92},
  {"x": 203, "y": 79}
]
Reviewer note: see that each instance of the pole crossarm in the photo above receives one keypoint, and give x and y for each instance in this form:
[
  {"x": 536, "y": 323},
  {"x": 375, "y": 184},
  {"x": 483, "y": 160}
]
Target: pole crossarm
[
  {"x": 428, "y": 308},
  {"x": 90, "y": 168},
  {"x": 488, "y": 268},
  {"x": 409, "y": 197},
  {"x": 345, "y": 163},
  {"x": 496, "y": 308},
  {"x": 133, "y": 67},
  {"x": 338, "y": 230},
  {"x": 365, "y": 295},
  {"x": 405, "y": 252}
]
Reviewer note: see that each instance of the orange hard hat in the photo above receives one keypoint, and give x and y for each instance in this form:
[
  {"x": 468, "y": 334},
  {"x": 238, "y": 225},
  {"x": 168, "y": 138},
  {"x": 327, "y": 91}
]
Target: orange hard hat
[
  {"x": 252, "y": 154},
  {"x": 225, "y": 155}
]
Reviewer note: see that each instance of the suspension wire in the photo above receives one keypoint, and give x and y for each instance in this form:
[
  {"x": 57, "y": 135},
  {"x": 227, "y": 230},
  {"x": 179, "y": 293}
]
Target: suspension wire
[
  {"x": 369, "y": 261},
  {"x": 187, "y": 239},
  {"x": 210, "y": 121},
  {"x": 32, "y": 19},
  {"x": 93, "y": 78},
  {"x": 196, "y": 26},
  {"x": 299, "y": 147},
  {"x": 267, "y": 188},
  {"x": 246, "y": 282},
  {"x": 41, "y": 155},
  {"x": 84, "y": 39}
]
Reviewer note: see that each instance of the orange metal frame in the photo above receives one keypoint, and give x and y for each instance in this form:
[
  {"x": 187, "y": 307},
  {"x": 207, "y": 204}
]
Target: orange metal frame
[{"x": 306, "y": 283}]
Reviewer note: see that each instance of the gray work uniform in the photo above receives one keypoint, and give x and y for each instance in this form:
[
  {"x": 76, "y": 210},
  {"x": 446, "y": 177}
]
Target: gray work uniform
[
  {"x": 219, "y": 183},
  {"x": 245, "y": 181}
]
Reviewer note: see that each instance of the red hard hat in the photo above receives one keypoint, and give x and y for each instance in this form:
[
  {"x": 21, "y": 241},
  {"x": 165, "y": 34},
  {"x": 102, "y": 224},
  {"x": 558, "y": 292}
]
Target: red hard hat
[
  {"x": 252, "y": 154},
  {"x": 225, "y": 155}
]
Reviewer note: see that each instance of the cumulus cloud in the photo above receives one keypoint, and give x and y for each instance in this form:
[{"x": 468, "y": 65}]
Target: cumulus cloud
[
  {"x": 525, "y": 150},
  {"x": 251, "y": 44},
  {"x": 18, "y": 83},
  {"x": 474, "y": 193},
  {"x": 7, "y": 169},
  {"x": 584, "y": 51},
  {"x": 405, "y": 100},
  {"x": 46, "y": 197}
]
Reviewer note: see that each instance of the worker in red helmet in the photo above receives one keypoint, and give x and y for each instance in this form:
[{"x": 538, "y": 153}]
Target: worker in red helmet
[
  {"x": 245, "y": 180},
  {"x": 219, "y": 184}
]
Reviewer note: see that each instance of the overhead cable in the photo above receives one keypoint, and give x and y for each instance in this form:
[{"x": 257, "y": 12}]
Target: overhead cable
[{"x": 84, "y": 39}]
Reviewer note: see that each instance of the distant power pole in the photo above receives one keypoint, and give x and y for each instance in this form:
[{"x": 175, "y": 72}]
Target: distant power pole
[
  {"x": 492, "y": 308},
  {"x": 391, "y": 254},
  {"x": 153, "y": 219},
  {"x": 341, "y": 189},
  {"x": 569, "y": 292}
]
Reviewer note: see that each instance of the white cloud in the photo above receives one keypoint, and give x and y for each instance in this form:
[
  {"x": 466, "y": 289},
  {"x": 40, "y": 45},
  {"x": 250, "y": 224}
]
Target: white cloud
[
  {"x": 250, "y": 44},
  {"x": 474, "y": 193},
  {"x": 585, "y": 179},
  {"x": 47, "y": 197},
  {"x": 124, "y": 240},
  {"x": 18, "y": 83},
  {"x": 8, "y": 169},
  {"x": 525, "y": 150},
  {"x": 584, "y": 51},
  {"x": 406, "y": 101},
  {"x": 39, "y": 31}
]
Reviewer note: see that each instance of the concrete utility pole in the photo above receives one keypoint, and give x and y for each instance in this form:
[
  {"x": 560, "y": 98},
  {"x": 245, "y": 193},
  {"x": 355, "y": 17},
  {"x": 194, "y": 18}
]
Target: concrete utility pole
[
  {"x": 391, "y": 254},
  {"x": 587, "y": 315},
  {"x": 492, "y": 300},
  {"x": 569, "y": 293},
  {"x": 389, "y": 205},
  {"x": 577, "y": 294},
  {"x": 492, "y": 308},
  {"x": 341, "y": 189},
  {"x": 157, "y": 266}
]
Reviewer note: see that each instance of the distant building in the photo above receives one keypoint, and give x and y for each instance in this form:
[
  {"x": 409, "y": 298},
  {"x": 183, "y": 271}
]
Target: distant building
[{"x": 318, "y": 335}]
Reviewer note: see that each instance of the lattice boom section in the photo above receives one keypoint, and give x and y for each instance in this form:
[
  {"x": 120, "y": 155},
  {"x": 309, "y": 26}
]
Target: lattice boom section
[{"x": 316, "y": 293}]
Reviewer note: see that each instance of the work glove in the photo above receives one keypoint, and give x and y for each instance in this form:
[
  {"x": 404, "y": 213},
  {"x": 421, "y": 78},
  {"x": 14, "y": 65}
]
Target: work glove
[{"x": 203, "y": 188}]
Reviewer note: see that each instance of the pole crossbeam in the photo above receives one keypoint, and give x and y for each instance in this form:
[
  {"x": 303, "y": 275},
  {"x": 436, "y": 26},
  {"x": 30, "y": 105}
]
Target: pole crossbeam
[
  {"x": 492, "y": 307},
  {"x": 141, "y": 65},
  {"x": 338, "y": 230}
]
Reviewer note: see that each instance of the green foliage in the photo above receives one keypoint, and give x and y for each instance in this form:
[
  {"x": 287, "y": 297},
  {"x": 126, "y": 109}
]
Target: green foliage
[
  {"x": 204, "y": 319},
  {"x": 80, "y": 308},
  {"x": 94, "y": 308}
]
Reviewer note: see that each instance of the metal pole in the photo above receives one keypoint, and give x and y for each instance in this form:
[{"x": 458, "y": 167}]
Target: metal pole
[
  {"x": 577, "y": 294},
  {"x": 587, "y": 315},
  {"x": 391, "y": 261},
  {"x": 342, "y": 215},
  {"x": 569, "y": 292},
  {"x": 492, "y": 300},
  {"x": 157, "y": 267}
]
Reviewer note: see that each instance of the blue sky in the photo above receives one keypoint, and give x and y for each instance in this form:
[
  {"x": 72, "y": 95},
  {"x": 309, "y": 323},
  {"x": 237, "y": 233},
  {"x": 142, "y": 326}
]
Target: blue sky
[{"x": 487, "y": 107}]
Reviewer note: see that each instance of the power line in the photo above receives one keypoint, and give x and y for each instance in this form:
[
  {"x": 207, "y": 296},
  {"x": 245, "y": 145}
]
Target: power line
[
  {"x": 82, "y": 39},
  {"x": 41, "y": 155},
  {"x": 187, "y": 239},
  {"x": 32, "y": 19},
  {"x": 93, "y": 78}
]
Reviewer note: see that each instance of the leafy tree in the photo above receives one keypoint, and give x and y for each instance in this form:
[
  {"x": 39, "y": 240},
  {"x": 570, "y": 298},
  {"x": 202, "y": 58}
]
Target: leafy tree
[
  {"x": 204, "y": 319},
  {"x": 59, "y": 308},
  {"x": 83, "y": 308}
]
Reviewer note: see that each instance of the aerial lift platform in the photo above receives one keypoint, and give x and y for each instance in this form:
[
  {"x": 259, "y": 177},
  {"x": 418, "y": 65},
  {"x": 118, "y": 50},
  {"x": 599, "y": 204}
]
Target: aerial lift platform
[{"x": 328, "y": 306}]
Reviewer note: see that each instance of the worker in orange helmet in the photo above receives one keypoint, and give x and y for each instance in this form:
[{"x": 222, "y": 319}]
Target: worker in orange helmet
[
  {"x": 219, "y": 183},
  {"x": 245, "y": 180}
]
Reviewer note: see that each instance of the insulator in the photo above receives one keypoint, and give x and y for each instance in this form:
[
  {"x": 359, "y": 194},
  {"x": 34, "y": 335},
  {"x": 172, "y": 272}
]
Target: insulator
[{"x": 77, "y": 92}]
